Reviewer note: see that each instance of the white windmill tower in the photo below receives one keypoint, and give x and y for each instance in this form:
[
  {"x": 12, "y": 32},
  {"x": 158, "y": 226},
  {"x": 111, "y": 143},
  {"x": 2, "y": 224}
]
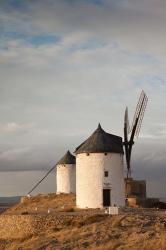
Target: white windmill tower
[
  {"x": 66, "y": 174},
  {"x": 99, "y": 171}
]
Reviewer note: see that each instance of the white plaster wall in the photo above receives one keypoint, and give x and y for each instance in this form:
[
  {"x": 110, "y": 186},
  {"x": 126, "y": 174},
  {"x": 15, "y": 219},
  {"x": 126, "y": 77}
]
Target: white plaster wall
[
  {"x": 66, "y": 178},
  {"x": 115, "y": 181},
  {"x": 90, "y": 180}
]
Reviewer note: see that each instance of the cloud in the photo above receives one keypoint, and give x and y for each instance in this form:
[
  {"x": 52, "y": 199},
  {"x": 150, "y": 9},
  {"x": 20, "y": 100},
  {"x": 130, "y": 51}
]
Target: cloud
[
  {"x": 16, "y": 128},
  {"x": 11, "y": 155},
  {"x": 135, "y": 26}
]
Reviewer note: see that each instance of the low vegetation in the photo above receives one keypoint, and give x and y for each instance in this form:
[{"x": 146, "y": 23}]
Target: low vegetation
[
  {"x": 142, "y": 229},
  {"x": 42, "y": 203}
]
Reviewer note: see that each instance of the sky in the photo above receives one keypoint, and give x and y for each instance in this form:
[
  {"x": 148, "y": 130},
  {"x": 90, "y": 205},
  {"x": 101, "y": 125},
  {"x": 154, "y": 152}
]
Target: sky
[{"x": 65, "y": 66}]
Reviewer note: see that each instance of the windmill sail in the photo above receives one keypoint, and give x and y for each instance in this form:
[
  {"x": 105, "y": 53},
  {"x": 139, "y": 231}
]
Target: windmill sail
[
  {"x": 126, "y": 120},
  {"x": 126, "y": 143},
  {"x": 135, "y": 128},
  {"x": 139, "y": 113}
]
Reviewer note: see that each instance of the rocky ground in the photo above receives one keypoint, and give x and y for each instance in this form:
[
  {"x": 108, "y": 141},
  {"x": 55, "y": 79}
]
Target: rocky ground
[{"x": 133, "y": 229}]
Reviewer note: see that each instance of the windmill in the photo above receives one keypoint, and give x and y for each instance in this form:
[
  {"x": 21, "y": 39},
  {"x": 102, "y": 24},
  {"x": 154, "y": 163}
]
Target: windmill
[{"x": 130, "y": 134}]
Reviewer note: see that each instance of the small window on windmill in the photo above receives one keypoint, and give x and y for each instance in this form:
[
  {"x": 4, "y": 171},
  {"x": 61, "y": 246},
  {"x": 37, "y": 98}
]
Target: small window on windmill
[{"x": 105, "y": 173}]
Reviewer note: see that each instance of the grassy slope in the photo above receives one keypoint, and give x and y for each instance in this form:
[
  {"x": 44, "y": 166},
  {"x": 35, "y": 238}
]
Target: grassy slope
[
  {"x": 97, "y": 232},
  {"x": 44, "y": 202}
]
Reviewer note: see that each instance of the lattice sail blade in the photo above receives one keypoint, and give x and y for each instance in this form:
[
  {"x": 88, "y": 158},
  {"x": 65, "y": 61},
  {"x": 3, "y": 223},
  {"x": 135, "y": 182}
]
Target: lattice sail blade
[
  {"x": 126, "y": 120},
  {"x": 141, "y": 116},
  {"x": 139, "y": 113}
]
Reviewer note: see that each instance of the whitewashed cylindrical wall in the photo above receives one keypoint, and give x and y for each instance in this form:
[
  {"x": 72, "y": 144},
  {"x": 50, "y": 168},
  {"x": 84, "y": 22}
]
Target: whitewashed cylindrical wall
[
  {"x": 66, "y": 178},
  {"x": 90, "y": 180}
]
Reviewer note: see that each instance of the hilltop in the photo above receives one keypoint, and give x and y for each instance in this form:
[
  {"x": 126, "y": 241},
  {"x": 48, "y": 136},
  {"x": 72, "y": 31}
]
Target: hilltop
[
  {"x": 42, "y": 202},
  {"x": 68, "y": 228}
]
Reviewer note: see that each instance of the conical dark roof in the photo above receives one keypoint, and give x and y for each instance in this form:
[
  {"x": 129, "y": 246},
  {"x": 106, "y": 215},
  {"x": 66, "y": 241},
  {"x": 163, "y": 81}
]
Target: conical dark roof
[
  {"x": 99, "y": 142},
  {"x": 68, "y": 158}
]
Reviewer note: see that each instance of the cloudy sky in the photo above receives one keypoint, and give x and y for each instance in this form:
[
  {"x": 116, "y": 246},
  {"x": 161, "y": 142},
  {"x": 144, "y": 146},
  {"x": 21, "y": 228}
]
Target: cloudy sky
[{"x": 66, "y": 65}]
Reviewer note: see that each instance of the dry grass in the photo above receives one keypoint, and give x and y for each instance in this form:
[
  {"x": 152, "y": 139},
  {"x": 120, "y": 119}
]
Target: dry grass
[
  {"x": 43, "y": 202},
  {"x": 98, "y": 235},
  {"x": 94, "y": 232}
]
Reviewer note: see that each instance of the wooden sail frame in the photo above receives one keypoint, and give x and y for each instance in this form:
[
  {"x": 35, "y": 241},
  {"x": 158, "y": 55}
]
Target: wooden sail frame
[{"x": 135, "y": 128}]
